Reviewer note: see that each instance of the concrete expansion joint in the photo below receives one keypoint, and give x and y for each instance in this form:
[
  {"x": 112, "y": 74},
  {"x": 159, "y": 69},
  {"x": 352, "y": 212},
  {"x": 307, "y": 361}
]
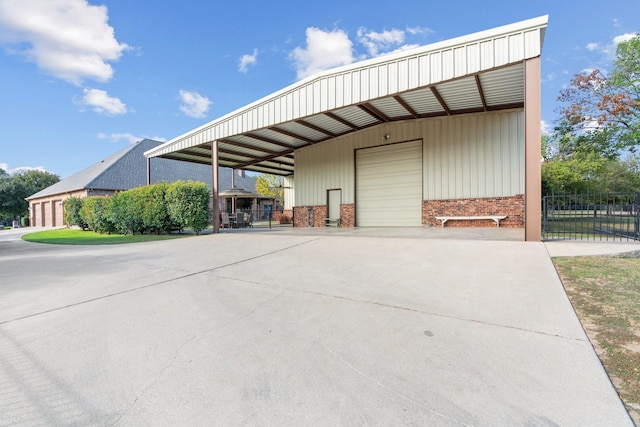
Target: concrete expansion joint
[
  {"x": 154, "y": 380},
  {"x": 256, "y": 308},
  {"x": 162, "y": 282},
  {"x": 429, "y": 313}
]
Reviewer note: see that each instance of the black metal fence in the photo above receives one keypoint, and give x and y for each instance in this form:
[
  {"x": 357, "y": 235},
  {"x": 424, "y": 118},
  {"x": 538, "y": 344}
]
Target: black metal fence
[
  {"x": 610, "y": 217},
  {"x": 246, "y": 219}
]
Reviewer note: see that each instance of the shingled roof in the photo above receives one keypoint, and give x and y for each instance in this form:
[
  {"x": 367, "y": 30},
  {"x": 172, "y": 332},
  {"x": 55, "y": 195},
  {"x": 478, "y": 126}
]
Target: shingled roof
[{"x": 128, "y": 169}]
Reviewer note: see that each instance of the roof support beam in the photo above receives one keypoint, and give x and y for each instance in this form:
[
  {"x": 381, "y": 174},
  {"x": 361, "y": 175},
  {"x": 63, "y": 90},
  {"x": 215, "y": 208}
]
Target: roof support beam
[
  {"x": 373, "y": 111},
  {"x": 341, "y": 120},
  {"x": 268, "y": 140},
  {"x": 406, "y": 106},
  {"x": 481, "y": 92},
  {"x": 292, "y": 135},
  {"x": 316, "y": 128},
  {"x": 262, "y": 159},
  {"x": 247, "y": 146},
  {"x": 440, "y": 99}
]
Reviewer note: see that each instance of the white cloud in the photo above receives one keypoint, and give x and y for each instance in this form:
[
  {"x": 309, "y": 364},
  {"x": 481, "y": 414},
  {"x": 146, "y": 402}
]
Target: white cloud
[
  {"x": 324, "y": 50},
  {"x": 609, "y": 49},
  {"x": 419, "y": 31},
  {"x": 247, "y": 60},
  {"x": 194, "y": 104},
  {"x": 69, "y": 39},
  {"x": 376, "y": 42},
  {"x": 545, "y": 128},
  {"x": 101, "y": 102},
  {"x": 623, "y": 38},
  {"x": 12, "y": 171},
  {"x": 132, "y": 139},
  {"x": 592, "y": 46}
]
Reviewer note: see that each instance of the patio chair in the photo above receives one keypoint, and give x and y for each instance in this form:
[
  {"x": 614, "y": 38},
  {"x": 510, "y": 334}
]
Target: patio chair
[
  {"x": 240, "y": 219},
  {"x": 225, "y": 223}
]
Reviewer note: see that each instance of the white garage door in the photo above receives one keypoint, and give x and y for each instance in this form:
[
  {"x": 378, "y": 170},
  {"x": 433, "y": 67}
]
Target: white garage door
[{"x": 389, "y": 185}]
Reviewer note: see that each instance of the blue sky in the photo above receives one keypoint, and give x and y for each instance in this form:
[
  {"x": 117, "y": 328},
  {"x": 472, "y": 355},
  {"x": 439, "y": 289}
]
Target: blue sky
[{"x": 82, "y": 80}]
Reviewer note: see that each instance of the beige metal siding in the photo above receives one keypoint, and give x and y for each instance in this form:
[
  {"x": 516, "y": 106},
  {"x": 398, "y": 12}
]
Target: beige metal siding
[
  {"x": 476, "y": 155},
  {"x": 389, "y": 185}
]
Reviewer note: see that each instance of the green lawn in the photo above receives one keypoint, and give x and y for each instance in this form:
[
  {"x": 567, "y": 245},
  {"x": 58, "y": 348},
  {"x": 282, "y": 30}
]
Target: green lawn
[
  {"x": 605, "y": 292},
  {"x": 70, "y": 236}
]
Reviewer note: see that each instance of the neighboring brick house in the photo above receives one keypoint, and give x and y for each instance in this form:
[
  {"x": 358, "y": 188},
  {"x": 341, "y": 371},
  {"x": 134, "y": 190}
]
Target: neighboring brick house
[{"x": 123, "y": 170}]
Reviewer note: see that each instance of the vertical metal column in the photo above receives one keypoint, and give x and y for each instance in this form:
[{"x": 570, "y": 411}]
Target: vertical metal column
[
  {"x": 215, "y": 209},
  {"x": 148, "y": 170},
  {"x": 533, "y": 179}
]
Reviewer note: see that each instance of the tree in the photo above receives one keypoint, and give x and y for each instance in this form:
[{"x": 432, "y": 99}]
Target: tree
[
  {"x": 271, "y": 186},
  {"x": 604, "y": 109},
  {"x": 15, "y": 188}
]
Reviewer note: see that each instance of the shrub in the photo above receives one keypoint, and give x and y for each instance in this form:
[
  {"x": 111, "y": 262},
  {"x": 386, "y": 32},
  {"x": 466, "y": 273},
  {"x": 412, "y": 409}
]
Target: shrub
[
  {"x": 125, "y": 214},
  {"x": 153, "y": 207},
  {"x": 95, "y": 213},
  {"x": 72, "y": 213},
  {"x": 188, "y": 205}
]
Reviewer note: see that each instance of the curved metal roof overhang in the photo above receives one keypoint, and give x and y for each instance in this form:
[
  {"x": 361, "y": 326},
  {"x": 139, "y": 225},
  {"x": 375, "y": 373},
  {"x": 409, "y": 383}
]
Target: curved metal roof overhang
[{"x": 471, "y": 74}]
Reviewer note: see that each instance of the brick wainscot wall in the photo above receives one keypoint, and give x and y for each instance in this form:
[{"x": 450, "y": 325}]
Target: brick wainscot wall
[
  {"x": 512, "y": 207},
  {"x": 302, "y": 217}
]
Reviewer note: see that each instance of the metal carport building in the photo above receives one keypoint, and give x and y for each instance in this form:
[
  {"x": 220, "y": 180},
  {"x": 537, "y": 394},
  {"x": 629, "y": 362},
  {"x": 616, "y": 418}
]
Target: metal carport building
[{"x": 447, "y": 128}]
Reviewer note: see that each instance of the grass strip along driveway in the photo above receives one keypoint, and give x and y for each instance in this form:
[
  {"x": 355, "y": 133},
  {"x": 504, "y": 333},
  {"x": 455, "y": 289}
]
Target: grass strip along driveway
[
  {"x": 605, "y": 292},
  {"x": 70, "y": 236}
]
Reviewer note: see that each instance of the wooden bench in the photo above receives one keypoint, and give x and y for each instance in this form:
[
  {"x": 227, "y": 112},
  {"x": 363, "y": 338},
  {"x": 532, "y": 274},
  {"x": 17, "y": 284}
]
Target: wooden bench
[
  {"x": 495, "y": 218},
  {"x": 328, "y": 222}
]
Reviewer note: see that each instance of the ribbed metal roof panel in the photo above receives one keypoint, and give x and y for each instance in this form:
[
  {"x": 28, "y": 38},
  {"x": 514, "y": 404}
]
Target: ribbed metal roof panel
[
  {"x": 280, "y": 137},
  {"x": 461, "y": 94},
  {"x": 422, "y": 101},
  {"x": 258, "y": 144},
  {"x": 390, "y": 107},
  {"x": 326, "y": 122},
  {"x": 356, "y": 116},
  {"x": 302, "y": 130},
  {"x": 503, "y": 86}
]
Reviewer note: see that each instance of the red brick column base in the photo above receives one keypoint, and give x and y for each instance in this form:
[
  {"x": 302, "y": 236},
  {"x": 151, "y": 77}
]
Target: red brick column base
[
  {"x": 512, "y": 207},
  {"x": 309, "y": 216},
  {"x": 348, "y": 215},
  {"x": 313, "y": 216}
]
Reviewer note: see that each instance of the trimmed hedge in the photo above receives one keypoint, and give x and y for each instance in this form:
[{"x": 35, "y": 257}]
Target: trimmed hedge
[
  {"x": 72, "y": 216},
  {"x": 158, "y": 208}
]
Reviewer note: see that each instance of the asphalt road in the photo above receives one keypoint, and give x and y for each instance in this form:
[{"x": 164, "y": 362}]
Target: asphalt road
[{"x": 293, "y": 329}]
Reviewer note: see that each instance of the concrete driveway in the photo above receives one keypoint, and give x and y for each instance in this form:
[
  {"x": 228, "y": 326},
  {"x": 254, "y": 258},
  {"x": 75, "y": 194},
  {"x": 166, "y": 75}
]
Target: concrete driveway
[{"x": 294, "y": 329}]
